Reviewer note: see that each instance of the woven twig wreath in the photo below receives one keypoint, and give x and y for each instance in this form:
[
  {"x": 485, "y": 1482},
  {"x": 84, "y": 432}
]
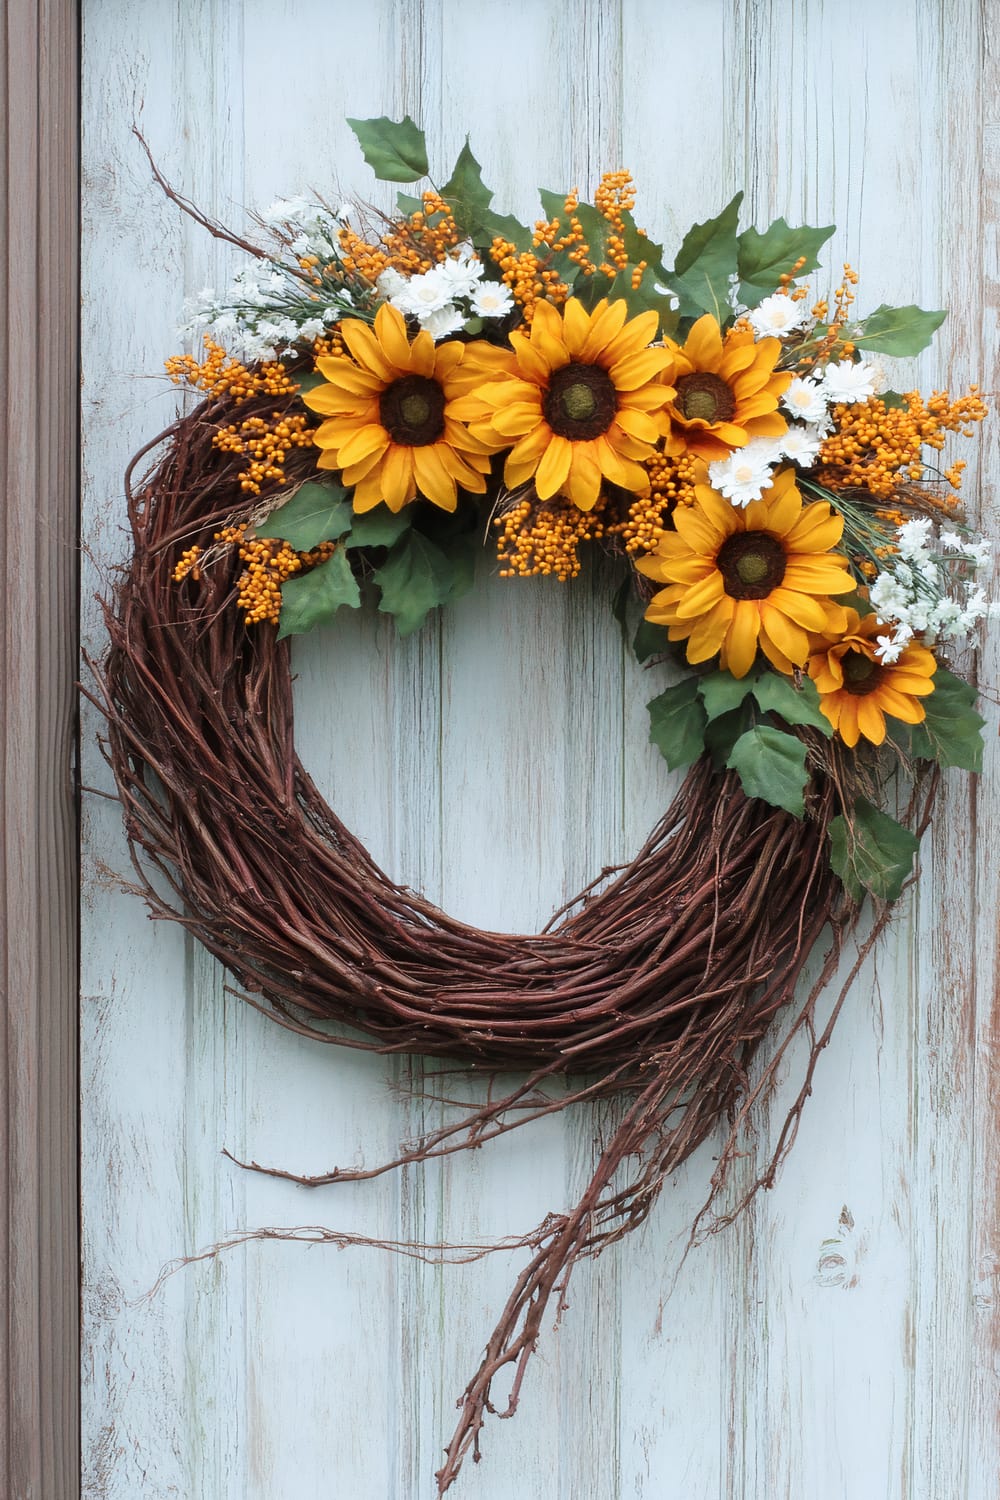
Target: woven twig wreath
[{"x": 659, "y": 980}]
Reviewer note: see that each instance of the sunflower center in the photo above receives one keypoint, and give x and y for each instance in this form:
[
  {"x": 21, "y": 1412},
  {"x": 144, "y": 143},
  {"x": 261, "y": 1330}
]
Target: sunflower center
[
  {"x": 580, "y": 402},
  {"x": 752, "y": 563},
  {"x": 412, "y": 411},
  {"x": 705, "y": 397},
  {"x": 861, "y": 674}
]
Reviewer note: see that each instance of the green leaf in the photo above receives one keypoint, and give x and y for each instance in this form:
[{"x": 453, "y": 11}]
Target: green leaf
[
  {"x": 722, "y": 692},
  {"x": 466, "y": 192},
  {"x": 722, "y": 733},
  {"x": 901, "y": 331},
  {"x": 677, "y": 724},
  {"x": 638, "y": 245},
  {"x": 316, "y": 513},
  {"x": 705, "y": 262},
  {"x": 415, "y": 578},
  {"x": 796, "y": 705},
  {"x": 649, "y": 640},
  {"x": 506, "y": 226},
  {"x": 394, "y": 149},
  {"x": 772, "y": 766},
  {"x": 379, "y": 527},
  {"x": 314, "y": 598},
  {"x": 951, "y": 732},
  {"x": 408, "y": 205},
  {"x": 871, "y": 852},
  {"x": 308, "y": 380},
  {"x": 762, "y": 259},
  {"x": 892, "y": 399}
]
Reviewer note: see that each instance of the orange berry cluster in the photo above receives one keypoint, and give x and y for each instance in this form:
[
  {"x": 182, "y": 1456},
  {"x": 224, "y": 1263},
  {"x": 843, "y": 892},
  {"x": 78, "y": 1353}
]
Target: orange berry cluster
[
  {"x": 615, "y": 196},
  {"x": 411, "y": 245},
  {"x": 528, "y": 277},
  {"x": 543, "y": 537},
  {"x": 671, "y": 483},
  {"x": 267, "y": 443},
  {"x": 843, "y": 298},
  {"x": 269, "y": 564},
  {"x": 218, "y": 375},
  {"x": 189, "y": 563},
  {"x": 878, "y": 448}
]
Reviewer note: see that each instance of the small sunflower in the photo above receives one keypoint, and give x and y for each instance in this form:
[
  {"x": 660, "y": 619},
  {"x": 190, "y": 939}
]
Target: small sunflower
[
  {"x": 727, "y": 389},
  {"x": 857, "y": 691},
  {"x": 762, "y": 576},
  {"x": 583, "y": 400},
  {"x": 390, "y": 425}
]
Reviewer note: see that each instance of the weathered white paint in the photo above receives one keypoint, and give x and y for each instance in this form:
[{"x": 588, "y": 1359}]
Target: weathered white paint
[{"x": 843, "y": 1339}]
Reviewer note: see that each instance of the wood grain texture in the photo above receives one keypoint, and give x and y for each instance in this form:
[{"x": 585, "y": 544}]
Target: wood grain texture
[
  {"x": 39, "y": 1300},
  {"x": 843, "y": 1338}
]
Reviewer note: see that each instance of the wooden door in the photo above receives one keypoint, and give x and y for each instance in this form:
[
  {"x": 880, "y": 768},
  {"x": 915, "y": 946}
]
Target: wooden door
[{"x": 841, "y": 1339}]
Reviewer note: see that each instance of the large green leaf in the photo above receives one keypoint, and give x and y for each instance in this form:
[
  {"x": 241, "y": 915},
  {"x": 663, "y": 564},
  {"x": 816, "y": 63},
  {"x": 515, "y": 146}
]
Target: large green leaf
[
  {"x": 415, "y": 578},
  {"x": 705, "y": 263},
  {"x": 466, "y": 192},
  {"x": 316, "y": 513},
  {"x": 901, "y": 331},
  {"x": 796, "y": 705},
  {"x": 379, "y": 527},
  {"x": 871, "y": 852},
  {"x": 952, "y": 731},
  {"x": 649, "y": 640},
  {"x": 394, "y": 149},
  {"x": 505, "y": 226},
  {"x": 721, "y": 734},
  {"x": 762, "y": 259},
  {"x": 722, "y": 692},
  {"x": 772, "y": 766},
  {"x": 314, "y": 598},
  {"x": 677, "y": 724}
]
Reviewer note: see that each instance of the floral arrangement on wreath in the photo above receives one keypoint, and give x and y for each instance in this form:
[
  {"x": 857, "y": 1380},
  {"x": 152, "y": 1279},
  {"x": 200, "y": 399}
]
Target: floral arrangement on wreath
[{"x": 380, "y": 392}]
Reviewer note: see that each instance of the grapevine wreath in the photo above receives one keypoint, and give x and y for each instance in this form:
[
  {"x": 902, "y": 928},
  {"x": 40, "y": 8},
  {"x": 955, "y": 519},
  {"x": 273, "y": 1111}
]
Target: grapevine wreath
[{"x": 382, "y": 392}]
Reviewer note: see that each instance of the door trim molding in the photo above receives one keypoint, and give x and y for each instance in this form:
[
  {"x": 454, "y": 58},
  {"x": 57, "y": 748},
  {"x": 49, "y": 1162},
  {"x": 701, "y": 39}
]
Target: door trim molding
[{"x": 39, "y": 397}]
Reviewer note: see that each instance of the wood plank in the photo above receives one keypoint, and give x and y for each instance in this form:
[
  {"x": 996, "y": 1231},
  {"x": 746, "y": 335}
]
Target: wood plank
[{"x": 38, "y": 526}]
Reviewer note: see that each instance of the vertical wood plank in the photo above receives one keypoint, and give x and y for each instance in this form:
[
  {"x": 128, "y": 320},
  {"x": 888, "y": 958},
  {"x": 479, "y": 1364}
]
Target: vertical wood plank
[{"x": 39, "y": 1334}]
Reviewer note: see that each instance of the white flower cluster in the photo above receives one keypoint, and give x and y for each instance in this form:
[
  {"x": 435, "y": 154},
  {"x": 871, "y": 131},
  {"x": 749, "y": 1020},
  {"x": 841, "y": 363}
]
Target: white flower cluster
[
  {"x": 748, "y": 471},
  {"x": 929, "y": 590},
  {"x": 444, "y": 298},
  {"x": 267, "y": 308}
]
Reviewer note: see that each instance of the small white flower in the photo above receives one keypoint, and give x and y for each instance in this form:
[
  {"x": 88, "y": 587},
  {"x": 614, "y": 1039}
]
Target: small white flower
[
  {"x": 442, "y": 321},
  {"x": 746, "y": 473},
  {"x": 981, "y": 552},
  {"x": 777, "y": 315},
  {"x": 390, "y": 283},
  {"x": 492, "y": 299},
  {"x": 848, "y": 381},
  {"x": 423, "y": 294},
  {"x": 313, "y": 328},
  {"x": 888, "y": 648},
  {"x": 802, "y": 444},
  {"x": 461, "y": 275},
  {"x": 912, "y": 538},
  {"x": 951, "y": 541},
  {"x": 805, "y": 398}
]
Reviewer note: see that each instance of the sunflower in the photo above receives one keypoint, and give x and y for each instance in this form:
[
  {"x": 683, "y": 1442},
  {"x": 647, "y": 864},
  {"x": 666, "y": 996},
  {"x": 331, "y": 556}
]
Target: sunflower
[
  {"x": 390, "y": 425},
  {"x": 583, "y": 400},
  {"x": 738, "y": 578},
  {"x": 727, "y": 389},
  {"x": 857, "y": 690}
]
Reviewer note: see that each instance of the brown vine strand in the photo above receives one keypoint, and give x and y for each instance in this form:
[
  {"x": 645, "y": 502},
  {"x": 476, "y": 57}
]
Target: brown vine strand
[{"x": 658, "y": 983}]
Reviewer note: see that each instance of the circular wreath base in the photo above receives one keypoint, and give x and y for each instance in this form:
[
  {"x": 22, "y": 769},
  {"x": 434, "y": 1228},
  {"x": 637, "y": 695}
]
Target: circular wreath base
[{"x": 658, "y": 982}]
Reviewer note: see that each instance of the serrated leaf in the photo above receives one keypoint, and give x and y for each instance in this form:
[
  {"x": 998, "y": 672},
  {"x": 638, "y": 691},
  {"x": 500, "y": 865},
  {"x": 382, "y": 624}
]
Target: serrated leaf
[
  {"x": 892, "y": 400},
  {"x": 677, "y": 724},
  {"x": 901, "y": 331},
  {"x": 379, "y": 527},
  {"x": 649, "y": 640},
  {"x": 466, "y": 192},
  {"x": 796, "y": 705},
  {"x": 871, "y": 852},
  {"x": 762, "y": 259},
  {"x": 722, "y": 733},
  {"x": 394, "y": 149},
  {"x": 771, "y": 765},
  {"x": 722, "y": 692},
  {"x": 315, "y": 513},
  {"x": 638, "y": 245},
  {"x": 506, "y": 226},
  {"x": 314, "y": 598},
  {"x": 952, "y": 731},
  {"x": 415, "y": 578},
  {"x": 408, "y": 205},
  {"x": 705, "y": 263}
]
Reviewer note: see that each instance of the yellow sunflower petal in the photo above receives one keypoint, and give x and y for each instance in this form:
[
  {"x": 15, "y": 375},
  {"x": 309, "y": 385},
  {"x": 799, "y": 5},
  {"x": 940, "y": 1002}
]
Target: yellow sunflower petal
[
  {"x": 364, "y": 441},
  {"x": 390, "y": 330},
  {"x": 871, "y": 720},
  {"x": 741, "y": 637},
  {"x": 704, "y": 344},
  {"x": 432, "y": 477},
  {"x": 553, "y": 467},
  {"x": 398, "y": 484},
  {"x": 584, "y": 482},
  {"x": 790, "y": 639},
  {"x": 706, "y": 638},
  {"x": 367, "y": 350}
]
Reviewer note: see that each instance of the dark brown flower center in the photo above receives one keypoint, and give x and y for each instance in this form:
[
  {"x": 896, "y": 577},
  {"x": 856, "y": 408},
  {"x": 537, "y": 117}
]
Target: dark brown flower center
[
  {"x": 412, "y": 411},
  {"x": 861, "y": 674},
  {"x": 580, "y": 402},
  {"x": 752, "y": 563},
  {"x": 704, "y": 395}
]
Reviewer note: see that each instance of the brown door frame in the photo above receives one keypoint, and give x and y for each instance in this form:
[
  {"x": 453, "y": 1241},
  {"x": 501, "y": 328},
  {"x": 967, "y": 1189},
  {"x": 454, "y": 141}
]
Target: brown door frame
[{"x": 39, "y": 399}]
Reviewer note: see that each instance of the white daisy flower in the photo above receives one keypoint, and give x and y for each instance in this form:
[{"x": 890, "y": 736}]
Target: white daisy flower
[
  {"x": 390, "y": 283},
  {"x": 423, "y": 295},
  {"x": 805, "y": 398},
  {"x": 492, "y": 299},
  {"x": 442, "y": 321},
  {"x": 849, "y": 381},
  {"x": 802, "y": 444},
  {"x": 461, "y": 274},
  {"x": 747, "y": 472},
  {"x": 777, "y": 315}
]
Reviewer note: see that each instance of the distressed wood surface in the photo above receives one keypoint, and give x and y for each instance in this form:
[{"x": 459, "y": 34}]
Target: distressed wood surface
[
  {"x": 39, "y": 1252},
  {"x": 844, "y": 1338}
]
